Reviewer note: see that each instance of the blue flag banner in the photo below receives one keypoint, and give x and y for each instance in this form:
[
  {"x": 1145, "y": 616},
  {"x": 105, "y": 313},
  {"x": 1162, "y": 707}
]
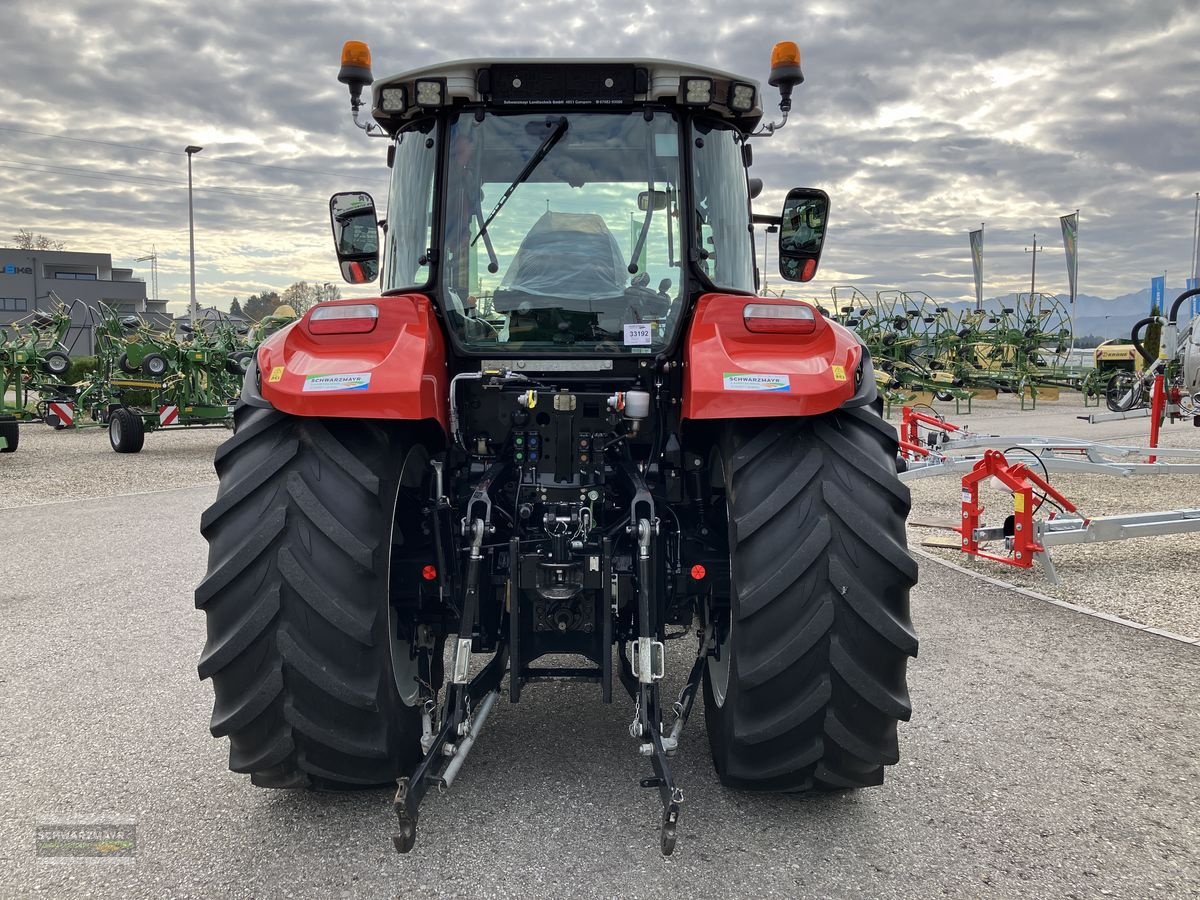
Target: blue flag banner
[
  {"x": 1192, "y": 284},
  {"x": 1158, "y": 293}
]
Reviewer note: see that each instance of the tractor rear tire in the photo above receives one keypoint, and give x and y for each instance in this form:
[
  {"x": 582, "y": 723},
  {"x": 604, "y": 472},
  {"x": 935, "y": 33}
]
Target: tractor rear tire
[
  {"x": 10, "y": 430},
  {"x": 811, "y": 681},
  {"x": 126, "y": 431},
  {"x": 296, "y": 598}
]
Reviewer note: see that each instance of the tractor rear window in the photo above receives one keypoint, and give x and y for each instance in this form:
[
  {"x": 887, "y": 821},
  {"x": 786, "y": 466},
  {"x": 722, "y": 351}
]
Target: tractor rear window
[
  {"x": 410, "y": 208},
  {"x": 722, "y": 205},
  {"x": 562, "y": 232}
]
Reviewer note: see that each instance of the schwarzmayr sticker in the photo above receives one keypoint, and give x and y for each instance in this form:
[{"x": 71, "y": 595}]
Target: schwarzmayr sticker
[
  {"x": 739, "y": 381},
  {"x": 353, "y": 381}
]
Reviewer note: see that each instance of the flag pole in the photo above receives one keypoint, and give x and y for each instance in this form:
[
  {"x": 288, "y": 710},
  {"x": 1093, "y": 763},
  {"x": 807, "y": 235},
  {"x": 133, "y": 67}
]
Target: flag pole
[
  {"x": 1075, "y": 274},
  {"x": 1196, "y": 242},
  {"x": 1074, "y": 289}
]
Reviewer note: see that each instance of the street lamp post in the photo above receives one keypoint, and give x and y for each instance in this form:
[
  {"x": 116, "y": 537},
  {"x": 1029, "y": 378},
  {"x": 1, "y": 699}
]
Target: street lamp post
[{"x": 192, "y": 311}]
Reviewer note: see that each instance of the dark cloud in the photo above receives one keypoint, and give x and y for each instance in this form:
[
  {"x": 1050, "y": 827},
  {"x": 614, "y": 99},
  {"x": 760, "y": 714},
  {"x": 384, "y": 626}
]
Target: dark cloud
[{"x": 921, "y": 120}]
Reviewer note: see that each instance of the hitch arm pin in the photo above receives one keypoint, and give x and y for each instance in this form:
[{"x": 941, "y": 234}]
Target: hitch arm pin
[{"x": 464, "y": 747}]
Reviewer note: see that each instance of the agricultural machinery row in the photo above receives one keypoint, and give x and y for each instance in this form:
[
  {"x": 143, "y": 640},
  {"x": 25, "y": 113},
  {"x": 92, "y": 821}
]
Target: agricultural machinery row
[
  {"x": 143, "y": 380},
  {"x": 957, "y": 353}
]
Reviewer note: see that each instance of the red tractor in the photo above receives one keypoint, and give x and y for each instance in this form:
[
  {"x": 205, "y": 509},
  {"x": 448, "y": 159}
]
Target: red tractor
[{"x": 563, "y": 431}]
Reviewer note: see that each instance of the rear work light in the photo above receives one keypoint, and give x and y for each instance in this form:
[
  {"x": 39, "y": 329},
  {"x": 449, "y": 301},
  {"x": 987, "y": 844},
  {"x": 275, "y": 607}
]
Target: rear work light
[
  {"x": 393, "y": 100},
  {"x": 741, "y": 97},
  {"x": 780, "y": 318},
  {"x": 431, "y": 92},
  {"x": 356, "y": 318},
  {"x": 695, "y": 91}
]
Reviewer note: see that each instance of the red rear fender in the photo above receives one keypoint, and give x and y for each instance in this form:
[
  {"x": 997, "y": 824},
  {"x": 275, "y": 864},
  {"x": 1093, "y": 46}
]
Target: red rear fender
[
  {"x": 397, "y": 370},
  {"x": 732, "y": 372}
]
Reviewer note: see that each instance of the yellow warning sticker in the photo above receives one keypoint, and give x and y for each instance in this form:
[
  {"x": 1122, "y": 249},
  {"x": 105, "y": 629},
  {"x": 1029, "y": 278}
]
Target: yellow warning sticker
[
  {"x": 276, "y": 374},
  {"x": 839, "y": 373},
  {"x": 1019, "y": 503}
]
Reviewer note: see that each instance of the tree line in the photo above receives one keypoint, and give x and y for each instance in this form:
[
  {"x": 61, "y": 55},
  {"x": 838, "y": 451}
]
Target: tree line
[{"x": 301, "y": 296}]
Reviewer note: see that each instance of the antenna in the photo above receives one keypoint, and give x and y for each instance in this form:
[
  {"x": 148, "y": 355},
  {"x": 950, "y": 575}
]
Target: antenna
[
  {"x": 1033, "y": 273},
  {"x": 153, "y": 257}
]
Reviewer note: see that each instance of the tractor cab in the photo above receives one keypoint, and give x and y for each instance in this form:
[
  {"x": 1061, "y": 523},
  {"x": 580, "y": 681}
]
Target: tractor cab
[{"x": 552, "y": 205}]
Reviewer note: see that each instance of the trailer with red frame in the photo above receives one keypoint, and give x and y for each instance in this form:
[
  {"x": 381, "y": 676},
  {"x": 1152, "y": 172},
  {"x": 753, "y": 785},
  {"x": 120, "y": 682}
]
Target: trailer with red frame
[{"x": 538, "y": 453}]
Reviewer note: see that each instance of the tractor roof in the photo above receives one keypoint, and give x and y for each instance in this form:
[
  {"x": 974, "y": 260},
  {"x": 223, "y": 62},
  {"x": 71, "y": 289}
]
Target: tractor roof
[{"x": 567, "y": 84}]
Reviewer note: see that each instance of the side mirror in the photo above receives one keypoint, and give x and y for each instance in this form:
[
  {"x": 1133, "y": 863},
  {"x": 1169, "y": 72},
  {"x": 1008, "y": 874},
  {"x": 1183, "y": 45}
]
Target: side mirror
[
  {"x": 660, "y": 200},
  {"x": 756, "y": 187},
  {"x": 355, "y": 235},
  {"x": 802, "y": 233}
]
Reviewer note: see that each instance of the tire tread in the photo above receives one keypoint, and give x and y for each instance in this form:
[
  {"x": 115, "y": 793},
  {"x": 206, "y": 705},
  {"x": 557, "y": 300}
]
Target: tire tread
[
  {"x": 295, "y": 598},
  {"x": 821, "y": 627}
]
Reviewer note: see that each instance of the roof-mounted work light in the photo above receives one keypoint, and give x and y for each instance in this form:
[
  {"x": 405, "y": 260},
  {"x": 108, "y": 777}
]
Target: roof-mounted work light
[
  {"x": 393, "y": 99},
  {"x": 431, "y": 92},
  {"x": 741, "y": 97},
  {"x": 695, "y": 91}
]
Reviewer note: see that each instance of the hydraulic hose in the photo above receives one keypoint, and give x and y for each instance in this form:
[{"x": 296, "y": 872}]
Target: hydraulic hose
[
  {"x": 1137, "y": 344},
  {"x": 1179, "y": 302}
]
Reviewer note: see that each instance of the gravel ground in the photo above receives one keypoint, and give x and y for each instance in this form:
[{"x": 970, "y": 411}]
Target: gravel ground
[
  {"x": 1146, "y": 580},
  {"x": 54, "y": 465},
  {"x": 1026, "y": 771}
]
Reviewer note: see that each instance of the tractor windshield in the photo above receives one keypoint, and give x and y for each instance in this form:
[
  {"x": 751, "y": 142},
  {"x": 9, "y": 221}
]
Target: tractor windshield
[{"x": 562, "y": 231}]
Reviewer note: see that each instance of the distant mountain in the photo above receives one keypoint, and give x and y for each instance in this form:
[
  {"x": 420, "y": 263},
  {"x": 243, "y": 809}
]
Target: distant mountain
[
  {"x": 1114, "y": 317},
  {"x": 1103, "y": 316}
]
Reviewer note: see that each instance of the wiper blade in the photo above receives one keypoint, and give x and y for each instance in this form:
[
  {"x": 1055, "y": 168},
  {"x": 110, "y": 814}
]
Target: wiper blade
[{"x": 560, "y": 128}]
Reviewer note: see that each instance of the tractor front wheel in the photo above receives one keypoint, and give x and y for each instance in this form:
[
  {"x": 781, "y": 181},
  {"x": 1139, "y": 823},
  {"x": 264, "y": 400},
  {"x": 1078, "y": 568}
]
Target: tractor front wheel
[
  {"x": 809, "y": 684},
  {"x": 310, "y": 686}
]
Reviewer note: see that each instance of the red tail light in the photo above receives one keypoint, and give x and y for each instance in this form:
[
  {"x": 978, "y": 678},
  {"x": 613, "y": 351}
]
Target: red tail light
[
  {"x": 355, "y": 318},
  {"x": 780, "y": 318}
]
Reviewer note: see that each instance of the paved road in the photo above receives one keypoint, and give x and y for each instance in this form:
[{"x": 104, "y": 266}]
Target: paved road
[{"x": 1051, "y": 755}]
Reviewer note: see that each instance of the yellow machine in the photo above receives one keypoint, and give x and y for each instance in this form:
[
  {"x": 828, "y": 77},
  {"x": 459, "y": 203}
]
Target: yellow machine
[{"x": 1117, "y": 356}]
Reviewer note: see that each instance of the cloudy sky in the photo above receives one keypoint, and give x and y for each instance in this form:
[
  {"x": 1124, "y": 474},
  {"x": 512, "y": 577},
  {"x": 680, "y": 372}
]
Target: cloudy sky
[{"x": 921, "y": 119}]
